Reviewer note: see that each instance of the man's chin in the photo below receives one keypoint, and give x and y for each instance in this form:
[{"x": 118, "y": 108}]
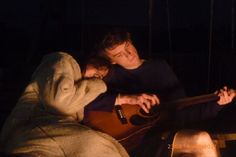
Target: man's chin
[{"x": 132, "y": 66}]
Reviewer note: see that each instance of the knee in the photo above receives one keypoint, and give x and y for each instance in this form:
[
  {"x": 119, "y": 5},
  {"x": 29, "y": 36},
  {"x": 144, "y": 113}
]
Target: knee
[
  {"x": 195, "y": 138},
  {"x": 195, "y": 143},
  {"x": 202, "y": 138}
]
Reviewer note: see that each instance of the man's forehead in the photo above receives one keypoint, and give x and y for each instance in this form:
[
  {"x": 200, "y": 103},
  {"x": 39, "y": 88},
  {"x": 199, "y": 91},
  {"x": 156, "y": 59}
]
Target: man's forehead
[{"x": 117, "y": 48}]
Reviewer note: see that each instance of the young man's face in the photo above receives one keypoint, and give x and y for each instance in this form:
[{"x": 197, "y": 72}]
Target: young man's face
[{"x": 125, "y": 55}]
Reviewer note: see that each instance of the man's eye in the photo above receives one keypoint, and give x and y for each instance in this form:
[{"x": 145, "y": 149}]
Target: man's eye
[
  {"x": 127, "y": 45},
  {"x": 119, "y": 55}
]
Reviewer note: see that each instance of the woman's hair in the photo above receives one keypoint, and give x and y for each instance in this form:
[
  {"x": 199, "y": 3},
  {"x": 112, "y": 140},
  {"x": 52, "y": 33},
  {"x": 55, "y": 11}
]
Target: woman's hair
[
  {"x": 98, "y": 61},
  {"x": 95, "y": 61}
]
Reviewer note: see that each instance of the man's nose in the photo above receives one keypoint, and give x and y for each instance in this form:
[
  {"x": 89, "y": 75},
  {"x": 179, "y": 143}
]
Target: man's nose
[{"x": 127, "y": 54}]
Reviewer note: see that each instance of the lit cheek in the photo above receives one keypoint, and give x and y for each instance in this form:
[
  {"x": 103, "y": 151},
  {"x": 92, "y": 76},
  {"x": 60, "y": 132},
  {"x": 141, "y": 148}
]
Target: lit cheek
[
  {"x": 114, "y": 60},
  {"x": 90, "y": 72},
  {"x": 133, "y": 51},
  {"x": 122, "y": 61},
  {"x": 87, "y": 74}
]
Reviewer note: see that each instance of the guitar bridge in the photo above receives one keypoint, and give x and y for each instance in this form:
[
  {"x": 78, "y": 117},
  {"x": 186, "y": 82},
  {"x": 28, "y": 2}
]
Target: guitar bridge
[{"x": 120, "y": 114}]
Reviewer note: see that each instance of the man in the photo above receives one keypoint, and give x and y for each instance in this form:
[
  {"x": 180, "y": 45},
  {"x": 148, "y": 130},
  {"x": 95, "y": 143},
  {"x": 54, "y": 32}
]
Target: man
[{"x": 135, "y": 81}]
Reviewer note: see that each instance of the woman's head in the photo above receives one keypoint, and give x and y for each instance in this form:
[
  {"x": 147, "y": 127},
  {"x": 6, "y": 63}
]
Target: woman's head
[{"x": 97, "y": 67}]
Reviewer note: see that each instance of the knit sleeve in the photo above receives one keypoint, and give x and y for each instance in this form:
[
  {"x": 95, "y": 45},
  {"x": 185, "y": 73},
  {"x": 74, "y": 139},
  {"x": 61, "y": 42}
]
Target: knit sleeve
[{"x": 61, "y": 88}]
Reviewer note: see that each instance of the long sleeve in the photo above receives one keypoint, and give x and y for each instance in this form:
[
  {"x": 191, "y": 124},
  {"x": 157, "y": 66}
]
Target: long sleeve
[
  {"x": 61, "y": 87},
  {"x": 169, "y": 87},
  {"x": 197, "y": 113}
]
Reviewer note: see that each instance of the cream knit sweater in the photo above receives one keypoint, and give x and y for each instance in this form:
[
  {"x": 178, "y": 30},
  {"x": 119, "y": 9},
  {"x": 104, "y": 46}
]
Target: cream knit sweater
[{"x": 45, "y": 121}]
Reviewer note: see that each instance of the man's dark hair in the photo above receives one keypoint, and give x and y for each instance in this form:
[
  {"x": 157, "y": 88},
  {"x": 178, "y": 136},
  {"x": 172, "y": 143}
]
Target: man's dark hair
[{"x": 113, "y": 38}]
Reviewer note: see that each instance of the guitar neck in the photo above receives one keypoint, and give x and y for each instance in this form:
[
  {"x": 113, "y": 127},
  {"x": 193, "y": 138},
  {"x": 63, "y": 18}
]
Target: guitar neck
[{"x": 181, "y": 103}]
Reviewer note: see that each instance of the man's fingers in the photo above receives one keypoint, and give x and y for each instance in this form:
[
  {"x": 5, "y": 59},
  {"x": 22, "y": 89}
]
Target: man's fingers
[
  {"x": 157, "y": 100},
  {"x": 151, "y": 97},
  {"x": 147, "y": 103},
  {"x": 144, "y": 108},
  {"x": 232, "y": 93}
]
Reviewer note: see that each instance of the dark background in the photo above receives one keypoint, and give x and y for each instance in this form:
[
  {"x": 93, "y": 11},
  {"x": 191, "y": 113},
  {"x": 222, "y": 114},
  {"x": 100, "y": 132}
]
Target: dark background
[{"x": 197, "y": 38}]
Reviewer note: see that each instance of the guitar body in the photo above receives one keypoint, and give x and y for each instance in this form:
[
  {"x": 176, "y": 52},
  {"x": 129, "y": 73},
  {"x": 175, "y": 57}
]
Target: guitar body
[
  {"x": 129, "y": 134},
  {"x": 130, "y": 123}
]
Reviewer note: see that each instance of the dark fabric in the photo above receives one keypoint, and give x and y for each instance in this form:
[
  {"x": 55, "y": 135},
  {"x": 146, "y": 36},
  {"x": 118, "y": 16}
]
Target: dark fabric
[
  {"x": 225, "y": 121},
  {"x": 197, "y": 113},
  {"x": 155, "y": 146}
]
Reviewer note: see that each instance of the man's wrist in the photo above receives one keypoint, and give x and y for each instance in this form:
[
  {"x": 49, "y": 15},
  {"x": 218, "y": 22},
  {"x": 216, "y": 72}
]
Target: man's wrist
[{"x": 117, "y": 101}]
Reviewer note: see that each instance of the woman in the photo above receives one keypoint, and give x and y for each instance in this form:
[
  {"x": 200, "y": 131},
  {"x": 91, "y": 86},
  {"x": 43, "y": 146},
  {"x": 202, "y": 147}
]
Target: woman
[{"x": 45, "y": 121}]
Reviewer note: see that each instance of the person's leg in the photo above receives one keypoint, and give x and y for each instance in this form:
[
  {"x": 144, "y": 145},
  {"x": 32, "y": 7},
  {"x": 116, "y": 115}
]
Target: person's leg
[{"x": 77, "y": 140}]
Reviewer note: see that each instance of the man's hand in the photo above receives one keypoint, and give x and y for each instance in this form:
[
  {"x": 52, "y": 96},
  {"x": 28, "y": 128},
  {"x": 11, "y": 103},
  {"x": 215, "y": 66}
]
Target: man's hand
[
  {"x": 226, "y": 95},
  {"x": 145, "y": 101}
]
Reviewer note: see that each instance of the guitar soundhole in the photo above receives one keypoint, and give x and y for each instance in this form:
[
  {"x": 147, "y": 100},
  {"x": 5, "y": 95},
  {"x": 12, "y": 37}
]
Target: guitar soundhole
[
  {"x": 152, "y": 112},
  {"x": 138, "y": 120}
]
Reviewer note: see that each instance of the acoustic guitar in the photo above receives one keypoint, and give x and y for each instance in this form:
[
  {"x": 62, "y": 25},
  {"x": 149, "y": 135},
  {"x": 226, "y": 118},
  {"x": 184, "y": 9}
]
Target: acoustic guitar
[{"x": 129, "y": 123}]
